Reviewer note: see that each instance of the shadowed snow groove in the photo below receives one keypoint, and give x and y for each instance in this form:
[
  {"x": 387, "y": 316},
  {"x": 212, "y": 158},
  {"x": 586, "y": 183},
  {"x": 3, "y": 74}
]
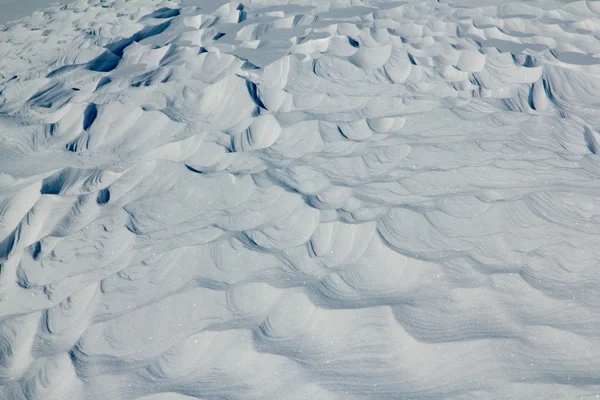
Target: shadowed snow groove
[{"x": 300, "y": 200}]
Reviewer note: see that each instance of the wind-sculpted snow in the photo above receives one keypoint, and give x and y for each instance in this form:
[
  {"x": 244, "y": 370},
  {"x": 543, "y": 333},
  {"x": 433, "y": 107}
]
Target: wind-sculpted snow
[{"x": 319, "y": 200}]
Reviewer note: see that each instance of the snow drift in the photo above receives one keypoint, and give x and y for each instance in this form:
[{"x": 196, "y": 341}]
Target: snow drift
[{"x": 324, "y": 199}]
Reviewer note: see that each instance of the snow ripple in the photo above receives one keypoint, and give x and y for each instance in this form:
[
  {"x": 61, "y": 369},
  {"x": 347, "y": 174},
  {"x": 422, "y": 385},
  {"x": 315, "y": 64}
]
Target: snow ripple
[{"x": 325, "y": 199}]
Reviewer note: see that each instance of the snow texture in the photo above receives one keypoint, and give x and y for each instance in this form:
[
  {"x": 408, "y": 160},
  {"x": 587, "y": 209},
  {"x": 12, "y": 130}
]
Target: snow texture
[
  {"x": 15, "y": 9},
  {"x": 324, "y": 199}
]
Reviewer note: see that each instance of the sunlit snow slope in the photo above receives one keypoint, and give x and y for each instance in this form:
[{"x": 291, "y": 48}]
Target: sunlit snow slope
[{"x": 320, "y": 200}]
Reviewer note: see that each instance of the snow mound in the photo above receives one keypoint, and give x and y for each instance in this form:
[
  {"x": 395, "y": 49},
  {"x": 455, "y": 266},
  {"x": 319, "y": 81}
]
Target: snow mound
[{"x": 319, "y": 199}]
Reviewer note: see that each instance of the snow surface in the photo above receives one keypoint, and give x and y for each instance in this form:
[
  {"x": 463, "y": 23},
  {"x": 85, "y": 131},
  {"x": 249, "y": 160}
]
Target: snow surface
[
  {"x": 15, "y": 9},
  {"x": 319, "y": 200}
]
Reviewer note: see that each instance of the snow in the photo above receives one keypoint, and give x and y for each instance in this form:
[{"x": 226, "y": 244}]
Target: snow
[
  {"x": 326, "y": 199},
  {"x": 14, "y": 9}
]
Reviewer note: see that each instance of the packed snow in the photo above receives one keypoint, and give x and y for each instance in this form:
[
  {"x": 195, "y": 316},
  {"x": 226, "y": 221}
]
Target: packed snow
[{"x": 324, "y": 199}]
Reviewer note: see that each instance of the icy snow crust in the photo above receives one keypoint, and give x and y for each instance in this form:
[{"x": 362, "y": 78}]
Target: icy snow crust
[{"x": 319, "y": 200}]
